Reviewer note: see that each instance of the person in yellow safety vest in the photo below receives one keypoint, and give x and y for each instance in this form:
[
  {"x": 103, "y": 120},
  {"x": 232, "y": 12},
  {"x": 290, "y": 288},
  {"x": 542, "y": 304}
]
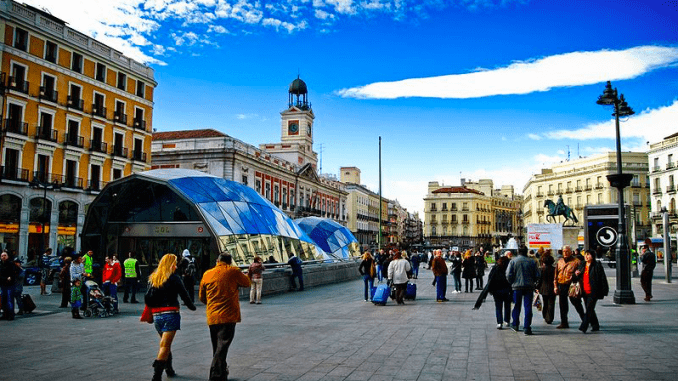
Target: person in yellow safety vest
[
  {"x": 89, "y": 264},
  {"x": 132, "y": 276}
]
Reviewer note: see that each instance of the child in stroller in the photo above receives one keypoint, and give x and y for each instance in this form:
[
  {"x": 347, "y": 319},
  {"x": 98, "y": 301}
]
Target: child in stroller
[{"x": 98, "y": 305}]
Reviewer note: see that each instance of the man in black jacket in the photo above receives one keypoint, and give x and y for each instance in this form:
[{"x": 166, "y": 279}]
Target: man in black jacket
[
  {"x": 8, "y": 273},
  {"x": 649, "y": 263}
]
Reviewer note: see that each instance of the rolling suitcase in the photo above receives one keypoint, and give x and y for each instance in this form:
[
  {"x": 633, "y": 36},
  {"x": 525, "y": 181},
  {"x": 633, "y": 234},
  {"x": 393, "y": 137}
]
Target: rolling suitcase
[
  {"x": 381, "y": 295},
  {"x": 27, "y": 301},
  {"x": 411, "y": 291}
]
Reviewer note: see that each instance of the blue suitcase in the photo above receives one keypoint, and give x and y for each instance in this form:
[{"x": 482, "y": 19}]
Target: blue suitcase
[
  {"x": 381, "y": 294},
  {"x": 411, "y": 291}
]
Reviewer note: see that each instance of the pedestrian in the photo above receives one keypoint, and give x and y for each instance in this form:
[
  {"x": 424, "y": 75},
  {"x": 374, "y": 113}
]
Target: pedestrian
[
  {"x": 522, "y": 273},
  {"x": 594, "y": 287},
  {"x": 65, "y": 280},
  {"x": 456, "y": 271},
  {"x": 649, "y": 263},
  {"x": 501, "y": 291},
  {"x": 440, "y": 271},
  {"x": 380, "y": 259},
  {"x": 545, "y": 286},
  {"x": 88, "y": 274},
  {"x": 562, "y": 279},
  {"x": 469, "y": 270},
  {"x": 45, "y": 263},
  {"x": 8, "y": 274},
  {"x": 162, "y": 298},
  {"x": 132, "y": 276},
  {"x": 481, "y": 265},
  {"x": 271, "y": 259},
  {"x": 219, "y": 291},
  {"x": 415, "y": 261},
  {"x": 110, "y": 277},
  {"x": 295, "y": 264},
  {"x": 397, "y": 275},
  {"x": 187, "y": 271},
  {"x": 367, "y": 270},
  {"x": 19, "y": 286},
  {"x": 255, "y": 274},
  {"x": 76, "y": 297}
]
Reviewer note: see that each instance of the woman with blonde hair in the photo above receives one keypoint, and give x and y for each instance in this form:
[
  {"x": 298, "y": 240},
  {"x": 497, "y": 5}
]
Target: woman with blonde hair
[
  {"x": 367, "y": 269},
  {"x": 164, "y": 286}
]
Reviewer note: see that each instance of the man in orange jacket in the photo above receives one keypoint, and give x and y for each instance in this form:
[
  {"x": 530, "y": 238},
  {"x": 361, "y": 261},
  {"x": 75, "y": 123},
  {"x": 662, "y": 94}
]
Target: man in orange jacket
[{"x": 219, "y": 291}]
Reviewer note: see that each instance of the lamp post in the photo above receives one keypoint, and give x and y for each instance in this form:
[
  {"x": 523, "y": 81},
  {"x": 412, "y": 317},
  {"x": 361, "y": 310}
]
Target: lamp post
[
  {"x": 623, "y": 294},
  {"x": 39, "y": 184}
]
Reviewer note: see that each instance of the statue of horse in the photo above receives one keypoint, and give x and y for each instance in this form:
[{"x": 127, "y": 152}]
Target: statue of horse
[{"x": 567, "y": 212}]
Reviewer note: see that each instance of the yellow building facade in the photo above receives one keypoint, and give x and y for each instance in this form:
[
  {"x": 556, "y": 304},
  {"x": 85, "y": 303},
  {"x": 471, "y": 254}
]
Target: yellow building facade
[
  {"x": 583, "y": 182},
  {"x": 76, "y": 114}
]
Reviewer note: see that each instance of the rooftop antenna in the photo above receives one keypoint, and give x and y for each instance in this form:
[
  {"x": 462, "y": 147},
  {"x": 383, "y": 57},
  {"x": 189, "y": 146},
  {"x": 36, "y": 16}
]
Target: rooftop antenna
[{"x": 568, "y": 152}]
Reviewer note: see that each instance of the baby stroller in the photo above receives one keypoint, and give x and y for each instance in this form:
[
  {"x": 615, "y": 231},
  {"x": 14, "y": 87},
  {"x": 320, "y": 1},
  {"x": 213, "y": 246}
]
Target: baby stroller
[{"x": 98, "y": 304}]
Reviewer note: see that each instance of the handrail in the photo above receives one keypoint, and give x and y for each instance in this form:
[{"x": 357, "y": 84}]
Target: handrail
[{"x": 311, "y": 262}]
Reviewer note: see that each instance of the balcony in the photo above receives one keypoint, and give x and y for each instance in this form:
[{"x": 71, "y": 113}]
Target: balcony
[
  {"x": 656, "y": 168},
  {"x": 578, "y": 189},
  {"x": 550, "y": 193},
  {"x": 140, "y": 156},
  {"x": 119, "y": 151},
  {"x": 671, "y": 189},
  {"x": 433, "y": 210},
  {"x": 46, "y": 133},
  {"x": 465, "y": 222},
  {"x": 444, "y": 222},
  {"x": 139, "y": 124},
  {"x": 540, "y": 194},
  {"x": 48, "y": 94},
  {"x": 635, "y": 185},
  {"x": 98, "y": 146},
  {"x": 657, "y": 191},
  {"x": 15, "y": 126},
  {"x": 98, "y": 110},
  {"x": 74, "y": 140},
  {"x": 71, "y": 182},
  {"x": 95, "y": 186},
  {"x": 120, "y": 117},
  {"x": 600, "y": 186},
  {"x": 637, "y": 203},
  {"x": 588, "y": 187},
  {"x": 15, "y": 174},
  {"x": 45, "y": 177},
  {"x": 569, "y": 190},
  {"x": 464, "y": 209},
  {"x": 670, "y": 165},
  {"x": 579, "y": 206},
  {"x": 75, "y": 103},
  {"x": 18, "y": 84}
]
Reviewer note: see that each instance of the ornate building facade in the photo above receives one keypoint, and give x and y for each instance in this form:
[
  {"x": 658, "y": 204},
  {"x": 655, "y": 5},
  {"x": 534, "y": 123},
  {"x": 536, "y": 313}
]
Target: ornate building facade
[
  {"x": 663, "y": 176},
  {"x": 76, "y": 114}
]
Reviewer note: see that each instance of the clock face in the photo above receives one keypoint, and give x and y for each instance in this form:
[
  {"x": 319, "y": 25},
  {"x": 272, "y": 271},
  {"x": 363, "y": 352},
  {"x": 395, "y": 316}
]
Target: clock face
[
  {"x": 293, "y": 127},
  {"x": 308, "y": 130}
]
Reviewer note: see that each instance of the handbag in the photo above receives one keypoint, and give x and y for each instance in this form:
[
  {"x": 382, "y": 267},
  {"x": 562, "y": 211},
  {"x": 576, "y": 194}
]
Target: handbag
[
  {"x": 537, "y": 302},
  {"x": 575, "y": 290},
  {"x": 146, "y": 315}
]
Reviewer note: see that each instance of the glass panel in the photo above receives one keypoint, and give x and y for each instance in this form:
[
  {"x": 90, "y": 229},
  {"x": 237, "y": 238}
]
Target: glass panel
[
  {"x": 245, "y": 215},
  {"x": 212, "y": 210},
  {"x": 191, "y": 189},
  {"x": 233, "y": 217}
]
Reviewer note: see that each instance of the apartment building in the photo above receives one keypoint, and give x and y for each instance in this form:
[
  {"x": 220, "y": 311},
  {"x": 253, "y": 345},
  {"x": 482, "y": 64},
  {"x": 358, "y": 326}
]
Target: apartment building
[
  {"x": 663, "y": 176},
  {"x": 583, "y": 182},
  {"x": 76, "y": 114}
]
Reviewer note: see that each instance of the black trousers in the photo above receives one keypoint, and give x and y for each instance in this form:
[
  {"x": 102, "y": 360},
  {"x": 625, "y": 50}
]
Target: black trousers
[
  {"x": 400, "y": 292},
  {"x": 646, "y": 282},
  {"x": 222, "y": 337},
  {"x": 479, "y": 282},
  {"x": 130, "y": 285},
  {"x": 590, "y": 316},
  {"x": 548, "y": 310},
  {"x": 563, "y": 290}
]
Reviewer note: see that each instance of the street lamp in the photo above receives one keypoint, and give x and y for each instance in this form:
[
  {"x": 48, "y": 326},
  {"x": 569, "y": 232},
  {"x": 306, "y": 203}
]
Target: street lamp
[
  {"x": 623, "y": 294},
  {"x": 39, "y": 184}
]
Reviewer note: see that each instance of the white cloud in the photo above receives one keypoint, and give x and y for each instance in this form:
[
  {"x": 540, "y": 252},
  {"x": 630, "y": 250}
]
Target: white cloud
[
  {"x": 534, "y": 136},
  {"x": 217, "y": 29},
  {"x": 523, "y": 77},
  {"x": 648, "y": 125}
]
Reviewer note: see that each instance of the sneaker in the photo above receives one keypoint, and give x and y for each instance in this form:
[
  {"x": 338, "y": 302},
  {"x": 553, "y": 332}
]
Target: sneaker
[
  {"x": 258, "y": 302},
  {"x": 499, "y": 326},
  {"x": 563, "y": 326},
  {"x": 528, "y": 331},
  {"x": 251, "y": 301},
  {"x": 515, "y": 328}
]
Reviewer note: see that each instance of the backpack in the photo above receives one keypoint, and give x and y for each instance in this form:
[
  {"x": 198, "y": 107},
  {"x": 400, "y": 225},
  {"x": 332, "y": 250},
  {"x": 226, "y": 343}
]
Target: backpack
[{"x": 190, "y": 269}]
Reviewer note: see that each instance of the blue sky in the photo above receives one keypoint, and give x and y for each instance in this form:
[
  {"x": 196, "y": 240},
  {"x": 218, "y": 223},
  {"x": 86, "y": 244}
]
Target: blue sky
[{"x": 468, "y": 88}]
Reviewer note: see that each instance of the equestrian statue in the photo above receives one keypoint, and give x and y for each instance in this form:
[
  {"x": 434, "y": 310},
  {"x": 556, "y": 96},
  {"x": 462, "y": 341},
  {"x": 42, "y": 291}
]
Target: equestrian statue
[{"x": 560, "y": 209}]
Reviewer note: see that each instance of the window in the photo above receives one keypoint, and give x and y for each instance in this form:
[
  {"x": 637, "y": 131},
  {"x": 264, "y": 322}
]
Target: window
[
  {"x": 47, "y": 90},
  {"x": 139, "y": 121},
  {"x": 118, "y": 148},
  {"x": 18, "y": 79},
  {"x": 244, "y": 179},
  {"x": 140, "y": 89},
  {"x": 95, "y": 177},
  {"x": 11, "y": 166},
  {"x": 122, "y": 81},
  {"x": 257, "y": 184},
  {"x": 670, "y": 158},
  {"x": 71, "y": 171},
  {"x": 75, "y": 97},
  {"x": 119, "y": 114},
  {"x": 292, "y": 199},
  {"x": 97, "y": 140},
  {"x": 98, "y": 107},
  {"x": 51, "y": 50},
  {"x": 117, "y": 173},
  {"x": 76, "y": 62},
  {"x": 45, "y": 129},
  {"x": 43, "y": 168},
  {"x": 268, "y": 191},
  {"x": 100, "y": 72},
  {"x": 21, "y": 39},
  {"x": 276, "y": 194},
  {"x": 138, "y": 153},
  {"x": 72, "y": 134}
]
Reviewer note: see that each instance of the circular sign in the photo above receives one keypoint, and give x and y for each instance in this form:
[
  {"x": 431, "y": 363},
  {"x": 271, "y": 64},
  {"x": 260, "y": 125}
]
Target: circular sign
[
  {"x": 606, "y": 236},
  {"x": 200, "y": 229}
]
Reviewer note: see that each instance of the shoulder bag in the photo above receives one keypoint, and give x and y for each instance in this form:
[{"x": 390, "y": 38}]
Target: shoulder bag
[{"x": 575, "y": 290}]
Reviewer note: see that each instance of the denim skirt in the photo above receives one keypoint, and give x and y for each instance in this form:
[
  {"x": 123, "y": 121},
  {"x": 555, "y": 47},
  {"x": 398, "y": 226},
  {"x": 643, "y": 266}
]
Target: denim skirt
[{"x": 167, "y": 322}]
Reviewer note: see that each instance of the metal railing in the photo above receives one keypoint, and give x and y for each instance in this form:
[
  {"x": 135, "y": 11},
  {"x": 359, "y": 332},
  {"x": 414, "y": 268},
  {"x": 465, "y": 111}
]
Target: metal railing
[
  {"x": 74, "y": 140},
  {"x": 49, "y": 94},
  {"x": 98, "y": 146},
  {"x": 46, "y": 133},
  {"x": 15, "y": 126},
  {"x": 13, "y": 173}
]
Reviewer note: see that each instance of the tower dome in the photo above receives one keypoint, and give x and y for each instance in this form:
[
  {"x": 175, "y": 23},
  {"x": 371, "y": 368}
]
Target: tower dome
[{"x": 298, "y": 94}]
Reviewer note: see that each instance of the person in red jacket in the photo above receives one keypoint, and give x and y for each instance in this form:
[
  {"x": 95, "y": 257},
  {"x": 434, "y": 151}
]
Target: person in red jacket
[{"x": 110, "y": 277}]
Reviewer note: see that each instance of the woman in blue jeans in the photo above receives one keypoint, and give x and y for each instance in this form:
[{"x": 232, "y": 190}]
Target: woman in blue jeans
[{"x": 367, "y": 270}]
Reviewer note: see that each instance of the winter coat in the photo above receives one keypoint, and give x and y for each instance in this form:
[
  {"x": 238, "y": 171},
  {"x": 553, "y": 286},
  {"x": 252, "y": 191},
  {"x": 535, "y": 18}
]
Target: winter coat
[
  {"x": 367, "y": 267},
  {"x": 597, "y": 280},
  {"x": 480, "y": 265},
  {"x": 469, "y": 268},
  {"x": 522, "y": 273},
  {"x": 439, "y": 267},
  {"x": 545, "y": 284}
]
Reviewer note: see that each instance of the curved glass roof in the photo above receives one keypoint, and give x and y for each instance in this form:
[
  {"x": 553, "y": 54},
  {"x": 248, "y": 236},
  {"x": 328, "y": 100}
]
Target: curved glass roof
[
  {"x": 335, "y": 240},
  {"x": 246, "y": 223}
]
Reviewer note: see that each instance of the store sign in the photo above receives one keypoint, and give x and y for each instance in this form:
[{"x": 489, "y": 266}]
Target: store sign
[
  {"x": 166, "y": 230},
  {"x": 37, "y": 228},
  {"x": 66, "y": 230},
  {"x": 9, "y": 228}
]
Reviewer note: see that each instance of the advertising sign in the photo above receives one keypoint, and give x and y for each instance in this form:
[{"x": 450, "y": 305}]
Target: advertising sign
[{"x": 548, "y": 236}]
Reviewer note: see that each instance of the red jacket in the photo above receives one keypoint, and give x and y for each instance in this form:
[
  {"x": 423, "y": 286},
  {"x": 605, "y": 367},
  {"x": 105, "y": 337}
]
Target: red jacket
[{"x": 111, "y": 273}]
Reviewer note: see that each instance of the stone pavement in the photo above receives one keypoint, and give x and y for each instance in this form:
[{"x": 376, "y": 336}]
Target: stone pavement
[{"x": 329, "y": 333}]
